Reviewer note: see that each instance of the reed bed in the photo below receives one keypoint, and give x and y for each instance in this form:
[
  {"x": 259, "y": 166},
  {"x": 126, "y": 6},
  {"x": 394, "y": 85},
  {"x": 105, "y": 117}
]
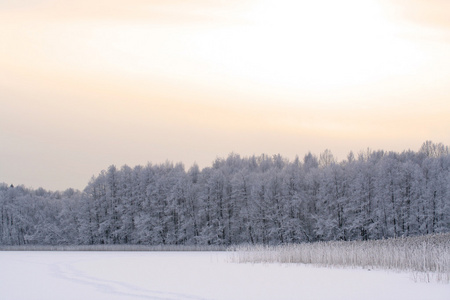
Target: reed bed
[{"x": 427, "y": 257}]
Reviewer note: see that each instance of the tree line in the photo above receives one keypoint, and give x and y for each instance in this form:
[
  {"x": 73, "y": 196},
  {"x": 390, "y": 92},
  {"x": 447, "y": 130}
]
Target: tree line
[{"x": 256, "y": 200}]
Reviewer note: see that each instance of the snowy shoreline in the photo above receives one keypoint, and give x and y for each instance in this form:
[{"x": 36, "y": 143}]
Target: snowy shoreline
[
  {"x": 114, "y": 248},
  {"x": 194, "y": 275},
  {"x": 427, "y": 258}
]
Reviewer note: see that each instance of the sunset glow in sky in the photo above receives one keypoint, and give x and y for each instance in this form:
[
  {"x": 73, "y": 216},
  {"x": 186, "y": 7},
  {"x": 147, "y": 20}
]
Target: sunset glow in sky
[{"x": 86, "y": 84}]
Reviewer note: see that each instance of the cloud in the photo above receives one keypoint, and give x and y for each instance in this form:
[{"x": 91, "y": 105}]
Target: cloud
[
  {"x": 431, "y": 13},
  {"x": 170, "y": 11}
]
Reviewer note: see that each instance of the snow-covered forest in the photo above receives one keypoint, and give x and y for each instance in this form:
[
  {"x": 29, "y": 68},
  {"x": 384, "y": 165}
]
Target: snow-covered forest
[{"x": 257, "y": 200}]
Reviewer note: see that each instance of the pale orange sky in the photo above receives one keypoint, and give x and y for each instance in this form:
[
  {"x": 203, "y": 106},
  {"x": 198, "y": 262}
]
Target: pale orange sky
[{"x": 86, "y": 84}]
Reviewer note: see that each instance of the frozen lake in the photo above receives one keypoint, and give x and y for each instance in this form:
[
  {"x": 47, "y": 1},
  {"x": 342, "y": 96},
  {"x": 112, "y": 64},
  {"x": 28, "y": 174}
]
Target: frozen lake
[{"x": 193, "y": 275}]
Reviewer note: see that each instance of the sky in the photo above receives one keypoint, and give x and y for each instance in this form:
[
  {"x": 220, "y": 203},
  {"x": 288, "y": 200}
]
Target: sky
[{"x": 87, "y": 84}]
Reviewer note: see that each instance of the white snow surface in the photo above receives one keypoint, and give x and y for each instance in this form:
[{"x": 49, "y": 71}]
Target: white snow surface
[{"x": 194, "y": 275}]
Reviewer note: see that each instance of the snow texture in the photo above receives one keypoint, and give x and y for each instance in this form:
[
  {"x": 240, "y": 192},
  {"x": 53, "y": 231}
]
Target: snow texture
[{"x": 193, "y": 275}]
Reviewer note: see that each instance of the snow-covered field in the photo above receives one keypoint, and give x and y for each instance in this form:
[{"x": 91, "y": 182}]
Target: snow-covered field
[{"x": 193, "y": 275}]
